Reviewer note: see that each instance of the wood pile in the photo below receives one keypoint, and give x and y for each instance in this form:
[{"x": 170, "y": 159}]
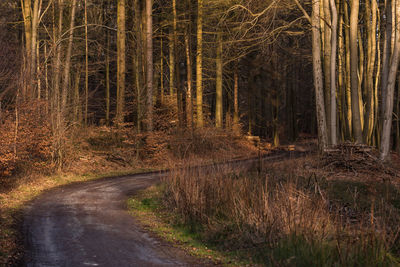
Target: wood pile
[{"x": 353, "y": 157}]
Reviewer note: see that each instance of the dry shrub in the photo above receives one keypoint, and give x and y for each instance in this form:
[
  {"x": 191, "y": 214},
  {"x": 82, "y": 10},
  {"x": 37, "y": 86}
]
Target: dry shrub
[
  {"x": 261, "y": 208},
  {"x": 235, "y": 204},
  {"x": 31, "y": 141},
  {"x": 212, "y": 142}
]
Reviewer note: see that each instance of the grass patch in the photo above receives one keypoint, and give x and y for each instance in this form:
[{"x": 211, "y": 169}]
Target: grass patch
[
  {"x": 13, "y": 201},
  {"x": 147, "y": 207},
  {"x": 275, "y": 217}
]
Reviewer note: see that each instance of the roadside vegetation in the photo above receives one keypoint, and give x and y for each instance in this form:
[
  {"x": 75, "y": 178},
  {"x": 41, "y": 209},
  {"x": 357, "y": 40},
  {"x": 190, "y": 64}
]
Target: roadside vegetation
[
  {"x": 292, "y": 213},
  {"x": 92, "y": 153}
]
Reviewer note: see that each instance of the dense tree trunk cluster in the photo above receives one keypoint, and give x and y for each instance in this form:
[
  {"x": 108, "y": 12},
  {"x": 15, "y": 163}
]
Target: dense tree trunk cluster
[{"x": 233, "y": 64}]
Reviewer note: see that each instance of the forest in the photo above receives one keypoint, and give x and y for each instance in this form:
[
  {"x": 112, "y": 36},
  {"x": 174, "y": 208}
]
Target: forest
[{"x": 306, "y": 92}]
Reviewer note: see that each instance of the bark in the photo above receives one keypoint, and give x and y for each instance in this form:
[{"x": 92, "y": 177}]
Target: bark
[
  {"x": 333, "y": 73},
  {"x": 86, "y": 67},
  {"x": 121, "y": 62},
  {"x": 149, "y": 61},
  {"x": 327, "y": 50},
  {"x": 318, "y": 77},
  {"x": 355, "y": 102},
  {"x": 199, "y": 65},
  {"x": 218, "y": 104},
  {"x": 67, "y": 67},
  {"x": 388, "y": 109},
  {"x": 189, "y": 97},
  {"x": 387, "y": 48},
  {"x": 236, "y": 98}
]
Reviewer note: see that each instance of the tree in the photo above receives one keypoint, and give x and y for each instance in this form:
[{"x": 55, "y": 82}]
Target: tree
[
  {"x": 149, "y": 61},
  {"x": 121, "y": 65},
  {"x": 199, "y": 65},
  {"x": 318, "y": 78}
]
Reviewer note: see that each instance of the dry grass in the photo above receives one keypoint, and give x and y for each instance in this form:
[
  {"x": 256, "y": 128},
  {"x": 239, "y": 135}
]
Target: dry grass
[{"x": 297, "y": 215}]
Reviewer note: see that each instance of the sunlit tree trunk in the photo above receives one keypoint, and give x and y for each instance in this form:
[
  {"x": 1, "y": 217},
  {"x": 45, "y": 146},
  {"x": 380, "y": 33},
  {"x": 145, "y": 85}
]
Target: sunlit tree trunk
[
  {"x": 121, "y": 62},
  {"x": 355, "y": 101},
  {"x": 370, "y": 108},
  {"x": 347, "y": 73},
  {"x": 199, "y": 65},
  {"x": 138, "y": 63},
  {"x": 333, "y": 73},
  {"x": 318, "y": 77},
  {"x": 149, "y": 61}
]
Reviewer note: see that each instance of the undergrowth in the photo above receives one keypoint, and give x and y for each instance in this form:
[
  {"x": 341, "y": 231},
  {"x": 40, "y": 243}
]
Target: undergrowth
[{"x": 282, "y": 216}]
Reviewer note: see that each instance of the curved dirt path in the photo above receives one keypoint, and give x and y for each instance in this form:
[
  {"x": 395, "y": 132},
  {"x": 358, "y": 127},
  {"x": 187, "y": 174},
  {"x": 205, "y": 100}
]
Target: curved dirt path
[{"x": 87, "y": 224}]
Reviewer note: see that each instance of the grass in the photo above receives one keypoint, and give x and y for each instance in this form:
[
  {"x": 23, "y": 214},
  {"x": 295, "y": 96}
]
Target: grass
[
  {"x": 147, "y": 208},
  {"x": 281, "y": 216},
  {"x": 12, "y": 203}
]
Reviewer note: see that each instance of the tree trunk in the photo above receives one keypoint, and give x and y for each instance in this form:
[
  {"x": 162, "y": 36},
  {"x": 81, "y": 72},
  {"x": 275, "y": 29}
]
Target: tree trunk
[
  {"x": 121, "y": 62},
  {"x": 199, "y": 65},
  {"x": 67, "y": 66},
  {"x": 355, "y": 102},
  {"x": 86, "y": 67},
  {"x": 149, "y": 62},
  {"x": 189, "y": 97},
  {"x": 333, "y": 73},
  {"x": 388, "y": 109},
  {"x": 236, "y": 98},
  {"x": 318, "y": 79},
  {"x": 327, "y": 50},
  {"x": 218, "y": 104}
]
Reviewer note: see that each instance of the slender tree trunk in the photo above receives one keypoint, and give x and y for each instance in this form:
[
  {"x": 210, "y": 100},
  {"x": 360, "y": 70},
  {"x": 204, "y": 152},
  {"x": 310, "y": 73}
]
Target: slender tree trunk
[
  {"x": 171, "y": 64},
  {"x": 138, "y": 64},
  {"x": 108, "y": 79},
  {"x": 77, "y": 97},
  {"x": 199, "y": 65},
  {"x": 327, "y": 50},
  {"x": 27, "y": 15},
  {"x": 387, "y": 48},
  {"x": 236, "y": 98},
  {"x": 35, "y": 24},
  {"x": 333, "y": 73},
  {"x": 218, "y": 104},
  {"x": 388, "y": 109},
  {"x": 86, "y": 67},
  {"x": 318, "y": 78},
  {"x": 67, "y": 66},
  {"x": 161, "y": 96},
  {"x": 189, "y": 97},
  {"x": 348, "y": 76},
  {"x": 354, "y": 71},
  {"x": 121, "y": 62},
  {"x": 149, "y": 61}
]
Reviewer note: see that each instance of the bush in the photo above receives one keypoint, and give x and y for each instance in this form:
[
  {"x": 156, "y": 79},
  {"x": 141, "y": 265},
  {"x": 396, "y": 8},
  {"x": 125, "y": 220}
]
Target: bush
[{"x": 288, "y": 213}]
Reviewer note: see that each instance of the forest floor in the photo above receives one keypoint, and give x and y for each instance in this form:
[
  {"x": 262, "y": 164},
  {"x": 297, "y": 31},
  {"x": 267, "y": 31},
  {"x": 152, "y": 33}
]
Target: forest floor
[
  {"x": 105, "y": 152},
  {"x": 339, "y": 210}
]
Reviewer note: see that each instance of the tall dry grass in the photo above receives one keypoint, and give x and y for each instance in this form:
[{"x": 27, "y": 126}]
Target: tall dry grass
[{"x": 290, "y": 214}]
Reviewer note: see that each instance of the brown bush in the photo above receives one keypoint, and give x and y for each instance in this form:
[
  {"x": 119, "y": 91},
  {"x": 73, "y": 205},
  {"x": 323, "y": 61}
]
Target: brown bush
[
  {"x": 25, "y": 143},
  {"x": 269, "y": 206}
]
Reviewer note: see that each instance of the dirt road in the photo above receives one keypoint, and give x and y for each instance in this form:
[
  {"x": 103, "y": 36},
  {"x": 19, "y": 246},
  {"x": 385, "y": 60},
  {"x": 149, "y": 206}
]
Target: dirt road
[{"x": 87, "y": 224}]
